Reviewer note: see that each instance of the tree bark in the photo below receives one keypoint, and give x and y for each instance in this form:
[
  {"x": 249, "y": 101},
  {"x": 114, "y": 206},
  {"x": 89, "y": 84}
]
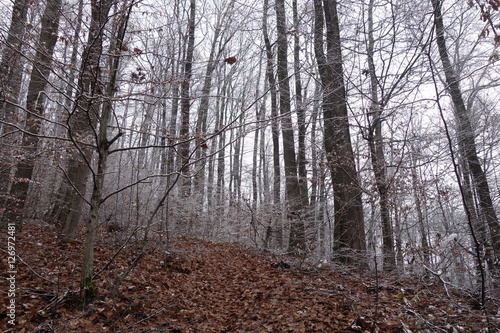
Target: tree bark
[
  {"x": 259, "y": 109},
  {"x": 275, "y": 132},
  {"x": 34, "y": 104},
  {"x": 274, "y": 109},
  {"x": 11, "y": 72},
  {"x": 300, "y": 109},
  {"x": 185, "y": 104},
  {"x": 82, "y": 122},
  {"x": 349, "y": 231},
  {"x": 294, "y": 199}
]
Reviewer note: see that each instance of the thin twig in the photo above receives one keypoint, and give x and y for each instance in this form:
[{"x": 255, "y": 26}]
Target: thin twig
[
  {"x": 118, "y": 251},
  {"x": 31, "y": 269},
  {"x": 126, "y": 329},
  {"x": 441, "y": 279}
]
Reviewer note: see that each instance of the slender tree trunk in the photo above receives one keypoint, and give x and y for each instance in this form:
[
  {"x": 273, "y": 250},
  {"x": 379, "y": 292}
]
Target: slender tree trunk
[
  {"x": 259, "y": 109},
  {"x": 477, "y": 219},
  {"x": 236, "y": 155},
  {"x": 11, "y": 72},
  {"x": 349, "y": 230},
  {"x": 294, "y": 199},
  {"x": 314, "y": 152},
  {"x": 185, "y": 103},
  {"x": 467, "y": 144},
  {"x": 34, "y": 103},
  {"x": 103, "y": 145},
  {"x": 201, "y": 123},
  {"x": 172, "y": 130},
  {"x": 220, "y": 187},
  {"x": 275, "y": 132},
  {"x": 424, "y": 244},
  {"x": 145, "y": 134},
  {"x": 211, "y": 185},
  {"x": 274, "y": 109},
  {"x": 301, "y": 117},
  {"x": 263, "y": 163},
  {"x": 375, "y": 142},
  {"x": 397, "y": 234}
]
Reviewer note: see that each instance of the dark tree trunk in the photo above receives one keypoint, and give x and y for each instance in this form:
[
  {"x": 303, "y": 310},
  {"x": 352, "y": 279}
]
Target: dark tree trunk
[
  {"x": 201, "y": 123},
  {"x": 185, "y": 104},
  {"x": 82, "y": 122},
  {"x": 349, "y": 230},
  {"x": 275, "y": 132},
  {"x": 301, "y": 117},
  {"x": 34, "y": 103},
  {"x": 294, "y": 199},
  {"x": 274, "y": 110},
  {"x": 11, "y": 72}
]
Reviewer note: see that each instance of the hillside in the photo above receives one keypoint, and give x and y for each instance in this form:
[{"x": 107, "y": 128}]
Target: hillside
[{"x": 199, "y": 286}]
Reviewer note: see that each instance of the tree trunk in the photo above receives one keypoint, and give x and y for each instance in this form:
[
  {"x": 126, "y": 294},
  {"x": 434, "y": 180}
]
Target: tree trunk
[
  {"x": 172, "y": 130},
  {"x": 424, "y": 244},
  {"x": 221, "y": 156},
  {"x": 301, "y": 117},
  {"x": 211, "y": 185},
  {"x": 82, "y": 122},
  {"x": 11, "y": 72},
  {"x": 201, "y": 123},
  {"x": 238, "y": 141},
  {"x": 34, "y": 103},
  {"x": 295, "y": 202},
  {"x": 263, "y": 163},
  {"x": 314, "y": 151},
  {"x": 275, "y": 132},
  {"x": 103, "y": 145},
  {"x": 376, "y": 145},
  {"x": 185, "y": 103},
  {"x": 11, "y": 65},
  {"x": 259, "y": 109},
  {"x": 274, "y": 110},
  {"x": 349, "y": 231}
]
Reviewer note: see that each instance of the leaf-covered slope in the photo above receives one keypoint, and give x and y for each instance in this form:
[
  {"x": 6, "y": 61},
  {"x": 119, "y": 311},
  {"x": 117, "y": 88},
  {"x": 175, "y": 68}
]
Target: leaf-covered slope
[{"x": 198, "y": 286}]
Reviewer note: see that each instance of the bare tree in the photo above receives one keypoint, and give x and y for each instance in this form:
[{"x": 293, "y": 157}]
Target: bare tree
[
  {"x": 103, "y": 150},
  {"x": 467, "y": 144}
]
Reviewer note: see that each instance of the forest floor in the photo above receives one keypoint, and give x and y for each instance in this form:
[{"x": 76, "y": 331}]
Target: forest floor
[{"x": 200, "y": 286}]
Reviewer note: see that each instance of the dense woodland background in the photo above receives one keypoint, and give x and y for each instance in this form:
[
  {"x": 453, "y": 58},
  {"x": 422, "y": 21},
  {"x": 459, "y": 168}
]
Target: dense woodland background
[{"x": 357, "y": 132}]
